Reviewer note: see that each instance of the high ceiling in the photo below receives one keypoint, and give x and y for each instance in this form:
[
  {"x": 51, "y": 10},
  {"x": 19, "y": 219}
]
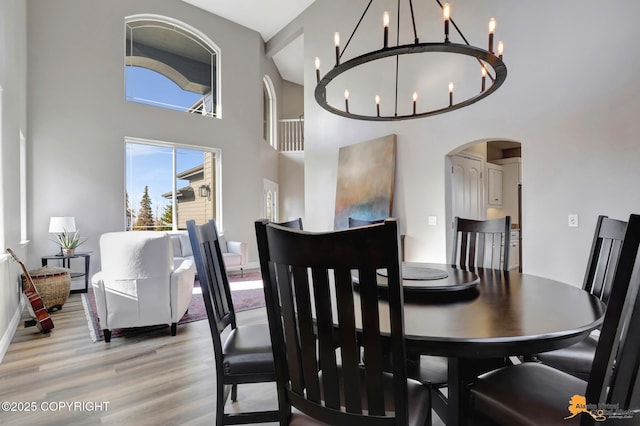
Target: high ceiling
[{"x": 266, "y": 17}]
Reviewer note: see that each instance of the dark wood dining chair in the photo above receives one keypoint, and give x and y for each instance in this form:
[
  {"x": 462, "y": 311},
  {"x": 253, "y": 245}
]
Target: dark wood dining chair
[
  {"x": 534, "y": 393},
  {"x": 603, "y": 257},
  {"x": 317, "y": 335},
  {"x": 481, "y": 243},
  {"x": 353, "y": 222},
  {"x": 245, "y": 356},
  {"x": 477, "y": 244},
  {"x": 293, "y": 224}
]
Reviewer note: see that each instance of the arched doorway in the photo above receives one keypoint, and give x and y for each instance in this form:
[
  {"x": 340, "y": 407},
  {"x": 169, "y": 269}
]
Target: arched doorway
[{"x": 483, "y": 181}]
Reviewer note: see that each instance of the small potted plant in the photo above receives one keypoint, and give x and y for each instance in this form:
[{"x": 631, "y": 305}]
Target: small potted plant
[{"x": 68, "y": 241}]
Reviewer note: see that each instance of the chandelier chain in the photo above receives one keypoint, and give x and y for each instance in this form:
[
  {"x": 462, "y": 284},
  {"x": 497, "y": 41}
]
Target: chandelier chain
[{"x": 355, "y": 29}]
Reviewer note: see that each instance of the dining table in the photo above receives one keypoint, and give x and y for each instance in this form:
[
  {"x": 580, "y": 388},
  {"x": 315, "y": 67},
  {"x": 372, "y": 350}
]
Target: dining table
[{"x": 479, "y": 317}]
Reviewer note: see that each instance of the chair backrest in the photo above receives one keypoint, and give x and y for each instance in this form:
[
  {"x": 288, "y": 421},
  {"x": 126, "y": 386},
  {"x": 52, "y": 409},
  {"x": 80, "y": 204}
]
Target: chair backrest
[
  {"x": 130, "y": 255},
  {"x": 614, "y": 374},
  {"x": 605, "y": 250},
  {"x": 481, "y": 243},
  {"x": 213, "y": 280},
  {"x": 353, "y": 222},
  {"x": 316, "y": 316},
  {"x": 293, "y": 224}
]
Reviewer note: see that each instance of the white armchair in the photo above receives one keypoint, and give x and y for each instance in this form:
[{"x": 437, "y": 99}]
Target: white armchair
[
  {"x": 138, "y": 285},
  {"x": 234, "y": 253}
]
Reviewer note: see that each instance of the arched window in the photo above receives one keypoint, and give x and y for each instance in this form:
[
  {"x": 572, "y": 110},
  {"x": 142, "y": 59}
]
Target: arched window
[
  {"x": 269, "y": 113},
  {"x": 171, "y": 65}
]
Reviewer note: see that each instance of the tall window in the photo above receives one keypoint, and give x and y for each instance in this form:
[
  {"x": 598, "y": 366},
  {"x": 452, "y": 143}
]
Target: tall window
[
  {"x": 23, "y": 188},
  {"x": 171, "y": 65},
  {"x": 269, "y": 117},
  {"x": 168, "y": 184},
  {"x": 270, "y": 205}
]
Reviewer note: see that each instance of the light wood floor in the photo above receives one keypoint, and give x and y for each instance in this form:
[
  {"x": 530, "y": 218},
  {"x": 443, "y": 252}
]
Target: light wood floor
[{"x": 153, "y": 379}]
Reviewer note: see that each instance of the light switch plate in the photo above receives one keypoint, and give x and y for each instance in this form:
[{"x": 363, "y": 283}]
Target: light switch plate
[
  {"x": 573, "y": 220},
  {"x": 433, "y": 220}
]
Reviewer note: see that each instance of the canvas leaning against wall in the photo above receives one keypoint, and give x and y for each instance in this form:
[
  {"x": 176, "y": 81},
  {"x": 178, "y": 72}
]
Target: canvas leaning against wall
[{"x": 366, "y": 173}]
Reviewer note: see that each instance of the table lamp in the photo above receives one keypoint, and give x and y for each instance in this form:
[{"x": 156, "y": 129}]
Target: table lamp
[{"x": 62, "y": 224}]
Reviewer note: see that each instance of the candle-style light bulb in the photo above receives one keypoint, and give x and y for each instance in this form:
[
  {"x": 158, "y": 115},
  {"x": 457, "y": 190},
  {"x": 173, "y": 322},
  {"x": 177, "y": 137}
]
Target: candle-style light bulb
[
  {"x": 378, "y": 105},
  {"x": 492, "y": 28},
  {"x": 415, "y": 100},
  {"x": 500, "y": 49},
  {"x": 451, "y": 93},
  {"x": 385, "y": 24},
  {"x": 446, "y": 14},
  {"x": 336, "y": 40},
  {"x": 484, "y": 77},
  {"x": 317, "y": 63},
  {"x": 346, "y": 100}
]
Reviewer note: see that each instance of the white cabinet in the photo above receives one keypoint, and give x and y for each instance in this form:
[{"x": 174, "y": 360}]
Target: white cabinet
[
  {"x": 494, "y": 185},
  {"x": 514, "y": 250},
  {"x": 510, "y": 193}
]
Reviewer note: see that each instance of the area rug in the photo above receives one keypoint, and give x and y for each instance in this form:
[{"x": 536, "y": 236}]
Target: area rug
[{"x": 246, "y": 293}]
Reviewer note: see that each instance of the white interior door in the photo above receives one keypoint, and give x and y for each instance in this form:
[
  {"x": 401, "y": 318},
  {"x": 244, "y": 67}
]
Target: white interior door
[
  {"x": 467, "y": 197},
  {"x": 270, "y": 202}
]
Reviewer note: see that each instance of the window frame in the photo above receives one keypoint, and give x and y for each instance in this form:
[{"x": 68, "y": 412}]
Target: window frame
[
  {"x": 271, "y": 115},
  {"x": 217, "y": 153},
  {"x": 198, "y": 35}
]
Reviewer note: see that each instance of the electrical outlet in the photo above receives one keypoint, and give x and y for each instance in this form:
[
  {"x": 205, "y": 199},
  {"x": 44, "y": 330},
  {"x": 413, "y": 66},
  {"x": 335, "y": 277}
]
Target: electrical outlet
[
  {"x": 573, "y": 220},
  {"x": 432, "y": 220}
]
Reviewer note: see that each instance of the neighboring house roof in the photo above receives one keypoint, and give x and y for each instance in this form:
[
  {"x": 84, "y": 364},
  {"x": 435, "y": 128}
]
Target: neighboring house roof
[
  {"x": 189, "y": 174},
  {"x": 187, "y": 190}
]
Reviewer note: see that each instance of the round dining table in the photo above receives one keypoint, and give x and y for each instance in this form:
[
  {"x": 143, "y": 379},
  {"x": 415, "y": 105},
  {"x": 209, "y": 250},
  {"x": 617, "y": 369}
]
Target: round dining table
[{"x": 476, "y": 316}]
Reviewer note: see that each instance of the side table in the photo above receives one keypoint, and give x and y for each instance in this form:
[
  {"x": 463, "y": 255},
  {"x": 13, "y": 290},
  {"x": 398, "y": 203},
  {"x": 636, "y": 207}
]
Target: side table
[{"x": 66, "y": 263}]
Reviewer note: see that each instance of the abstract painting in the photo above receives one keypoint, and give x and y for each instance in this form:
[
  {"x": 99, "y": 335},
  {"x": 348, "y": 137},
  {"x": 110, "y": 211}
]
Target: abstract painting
[{"x": 365, "y": 183}]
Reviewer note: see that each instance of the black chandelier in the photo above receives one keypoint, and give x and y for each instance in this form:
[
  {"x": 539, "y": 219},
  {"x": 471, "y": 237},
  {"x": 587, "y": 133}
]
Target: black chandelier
[{"x": 491, "y": 68}]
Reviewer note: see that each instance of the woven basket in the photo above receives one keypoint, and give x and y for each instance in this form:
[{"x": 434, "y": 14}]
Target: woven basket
[{"x": 53, "y": 285}]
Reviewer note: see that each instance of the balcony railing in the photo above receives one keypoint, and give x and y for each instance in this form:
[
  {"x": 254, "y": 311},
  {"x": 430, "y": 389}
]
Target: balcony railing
[{"x": 291, "y": 135}]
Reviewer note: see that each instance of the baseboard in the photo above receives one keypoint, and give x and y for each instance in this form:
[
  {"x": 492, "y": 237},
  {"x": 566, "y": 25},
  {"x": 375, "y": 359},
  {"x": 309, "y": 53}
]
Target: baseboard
[{"x": 11, "y": 330}]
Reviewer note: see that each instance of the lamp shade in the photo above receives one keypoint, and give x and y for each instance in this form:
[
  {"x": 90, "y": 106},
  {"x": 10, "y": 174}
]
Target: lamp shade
[{"x": 59, "y": 224}]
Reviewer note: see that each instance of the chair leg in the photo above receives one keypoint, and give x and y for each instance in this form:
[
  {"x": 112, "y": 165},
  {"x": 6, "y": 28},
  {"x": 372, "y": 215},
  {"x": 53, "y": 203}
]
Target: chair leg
[
  {"x": 107, "y": 335},
  {"x": 221, "y": 398},
  {"x": 429, "y": 420},
  {"x": 174, "y": 328},
  {"x": 234, "y": 392}
]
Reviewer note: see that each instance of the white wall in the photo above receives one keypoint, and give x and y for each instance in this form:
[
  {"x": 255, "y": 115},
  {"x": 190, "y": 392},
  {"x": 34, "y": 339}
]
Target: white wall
[
  {"x": 292, "y": 100},
  {"x": 78, "y": 117},
  {"x": 571, "y": 99},
  {"x": 13, "y": 88},
  {"x": 291, "y": 180}
]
